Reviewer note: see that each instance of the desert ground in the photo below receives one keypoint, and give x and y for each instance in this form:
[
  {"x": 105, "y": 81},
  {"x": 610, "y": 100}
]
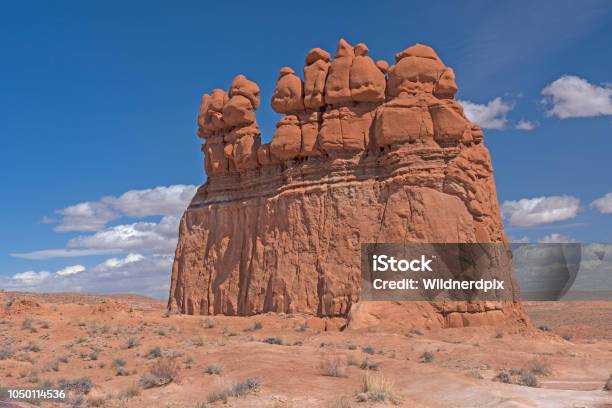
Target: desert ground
[{"x": 127, "y": 351}]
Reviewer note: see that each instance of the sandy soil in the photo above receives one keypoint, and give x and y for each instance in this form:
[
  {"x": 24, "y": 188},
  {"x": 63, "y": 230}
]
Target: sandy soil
[{"x": 47, "y": 338}]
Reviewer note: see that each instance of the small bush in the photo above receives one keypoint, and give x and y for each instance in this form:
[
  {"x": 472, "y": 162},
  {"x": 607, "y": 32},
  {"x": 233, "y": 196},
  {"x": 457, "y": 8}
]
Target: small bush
[
  {"x": 208, "y": 323},
  {"x": 130, "y": 392},
  {"x": 474, "y": 374},
  {"x": 163, "y": 372},
  {"x": 302, "y": 327},
  {"x": 334, "y": 366},
  {"x": 499, "y": 335},
  {"x": 376, "y": 388},
  {"x": 503, "y": 377},
  {"x": 214, "y": 368},
  {"x": 427, "y": 357},
  {"x": 155, "y": 352},
  {"x": 567, "y": 336},
  {"x": 341, "y": 402},
  {"x": 256, "y": 326},
  {"x": 529, "y": 379},
  {"x": 80, "y": 385},
  {"x": 132, "y": 342},
  {"x": 367, "y": 364},
  {"x": 274, "y": 340},
  {"x": 225, "y": 391},
  {"x": 368, "y": 350},
  {"x": 28, "y": 324},
  {"x": 544, "y": 328},
  {"x": 6, "y": 352},
  {"x": 32, "y": 346},
  {"x": 539, "y": 367}
]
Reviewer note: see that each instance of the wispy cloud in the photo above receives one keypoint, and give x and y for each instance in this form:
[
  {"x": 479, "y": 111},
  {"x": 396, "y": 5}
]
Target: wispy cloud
[
  {"x": 574, "y": 97},
  {"x": 63, "y": 253},
  {"x": 529, "y": 212},
  {"x": 491, "y": 115},
  {"x": 603, "y": 204}
]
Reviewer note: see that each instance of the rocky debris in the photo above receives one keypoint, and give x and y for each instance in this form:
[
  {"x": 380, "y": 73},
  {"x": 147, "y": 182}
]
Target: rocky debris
[{"x": 364, "y": 153}]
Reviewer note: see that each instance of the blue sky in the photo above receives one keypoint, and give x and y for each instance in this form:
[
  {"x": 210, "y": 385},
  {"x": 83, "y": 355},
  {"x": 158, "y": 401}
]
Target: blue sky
[{"x": 99, "y": 98}]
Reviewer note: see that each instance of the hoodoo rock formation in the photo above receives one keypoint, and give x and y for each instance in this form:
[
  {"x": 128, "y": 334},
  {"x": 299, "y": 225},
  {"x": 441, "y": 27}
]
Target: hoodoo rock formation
[{"x": 365, "y": 152}]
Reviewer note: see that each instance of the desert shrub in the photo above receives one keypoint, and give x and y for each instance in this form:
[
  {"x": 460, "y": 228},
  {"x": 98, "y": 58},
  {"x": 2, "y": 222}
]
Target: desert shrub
[
  {"x": 368, "y": 350},
  {"x": 93, "y": 355},
  {"x": 376, "y": 388},
  {"x": 529, "y": 379},
  {"x": 98, "y": 401},
  {"x": 415, "y": 332},
  {"x": 301, "y": 327},
  {"x": 214, "y": 368},
  {"x": 28, "y": 324},
  {"x": 198, "y": 342},
  {"x": 539, "y": 367},
  {"x": 226, "y": 390},
  {"x": 341, "y": 402},
  {"x": 499, "y": 335},
  {"x": 208, "y": 323},
  {"x": 118, "y": 366},
  {"x": 52, "y": 365},
  {"x": 608, "y": 385},
  {"x": 427, "y": 357},
  {"x": 567, "y": 336},
  {"x": 229, "y": 333},
  {"x": 132, "y": 342},
  {"x": 474, "y": 374},
  {"x": 333, "y": 366},
  {"x": 367, "y": 364},
  {"x": 155, "y": 352},
  {"x": 6, "y": 352},
  {"x": 129, "y": 392},
  {"x": 544, "y": 328},
  {"x": 32, "y": 346},
  {"x": 44, "y": 325},
  {"x": 503, "y": 376},
  {"x": 273, "y": 340},
  {"x": 81, "y": 385},
  {"x": 77, "y": 400},
  {"x": 256, "y": 326},
  {"x": 163, "y": 372}
]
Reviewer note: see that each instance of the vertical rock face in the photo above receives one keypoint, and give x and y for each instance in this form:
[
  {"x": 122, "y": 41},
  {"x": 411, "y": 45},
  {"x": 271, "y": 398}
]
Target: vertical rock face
[{"x": 364, "y": 153}]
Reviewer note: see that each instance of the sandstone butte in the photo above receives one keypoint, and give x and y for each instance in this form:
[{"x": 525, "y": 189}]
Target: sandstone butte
[{"x": 365, "y": 152}]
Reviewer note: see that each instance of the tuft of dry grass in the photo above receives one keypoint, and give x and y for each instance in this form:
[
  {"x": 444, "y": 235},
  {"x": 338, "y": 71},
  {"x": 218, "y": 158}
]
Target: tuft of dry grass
[
  {"x": 334, "y": 366},
  {"x": 375, "y": 387},
  {"x": 608, "y": 385},
  {"x": 163, "y": 372},
  {"x": 342, "y": 402},
  {"x": 539, "y": 366},
  {"x": 224, "y": 389},
  {"x": 214, "y": 368}
]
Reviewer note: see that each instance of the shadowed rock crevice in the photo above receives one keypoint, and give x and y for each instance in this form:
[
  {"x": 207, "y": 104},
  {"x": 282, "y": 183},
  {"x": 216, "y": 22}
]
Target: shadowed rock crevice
[{"x": 365, "y": 152}]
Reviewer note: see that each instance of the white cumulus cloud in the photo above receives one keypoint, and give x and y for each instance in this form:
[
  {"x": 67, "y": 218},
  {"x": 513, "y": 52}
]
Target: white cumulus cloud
[
  {"x": 526, "y": 125},
  {"x": 574, "y": 97},
  {"x": 603, "y": 204},
  {"x": 138, "y": 274},
  {"x": 488, "y": 116},
  {"x": 529, "y": 212},
  {"x": 556, "y": 239},
  {"x": 159, "y": 238},
  {"x": 95, "y": 215}
]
